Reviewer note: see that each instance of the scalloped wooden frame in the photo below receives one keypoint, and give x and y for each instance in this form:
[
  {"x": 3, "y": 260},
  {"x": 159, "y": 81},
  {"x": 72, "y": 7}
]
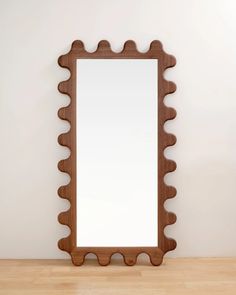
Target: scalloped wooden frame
[{"x": 68, "y": 165}]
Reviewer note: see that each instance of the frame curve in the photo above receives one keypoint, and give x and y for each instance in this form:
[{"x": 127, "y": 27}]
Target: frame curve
[{"x": 165, "y": 165}]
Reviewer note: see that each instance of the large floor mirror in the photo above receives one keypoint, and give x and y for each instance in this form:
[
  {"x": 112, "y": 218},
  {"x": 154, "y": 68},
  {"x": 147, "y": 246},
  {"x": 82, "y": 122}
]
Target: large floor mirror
[{"x": 117, "y": 166}]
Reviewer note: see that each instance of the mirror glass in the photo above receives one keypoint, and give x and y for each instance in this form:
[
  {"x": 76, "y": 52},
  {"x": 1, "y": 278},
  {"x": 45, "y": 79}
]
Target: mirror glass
[{"x": 116, "y": 146}]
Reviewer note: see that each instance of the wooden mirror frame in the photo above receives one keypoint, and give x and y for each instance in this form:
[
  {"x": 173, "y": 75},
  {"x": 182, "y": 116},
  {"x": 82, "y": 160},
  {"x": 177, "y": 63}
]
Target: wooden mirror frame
[{"x": 68, "y": 165}]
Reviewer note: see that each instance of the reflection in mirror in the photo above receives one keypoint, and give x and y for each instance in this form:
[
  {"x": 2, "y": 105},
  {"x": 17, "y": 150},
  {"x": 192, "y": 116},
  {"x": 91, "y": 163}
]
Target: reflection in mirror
[{"x": 116, "y": 138}]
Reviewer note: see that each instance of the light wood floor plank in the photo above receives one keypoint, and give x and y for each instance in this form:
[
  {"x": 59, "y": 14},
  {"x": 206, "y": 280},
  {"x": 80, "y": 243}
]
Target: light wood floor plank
[{"x": 192, "y": 276}]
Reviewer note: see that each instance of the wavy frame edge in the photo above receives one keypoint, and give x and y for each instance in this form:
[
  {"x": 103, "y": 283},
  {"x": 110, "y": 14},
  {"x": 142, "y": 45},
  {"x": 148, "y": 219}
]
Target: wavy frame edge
[{"x": 165, "y": 165}]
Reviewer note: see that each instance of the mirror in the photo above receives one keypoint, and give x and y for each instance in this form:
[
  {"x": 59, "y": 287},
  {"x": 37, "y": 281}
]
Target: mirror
[{"x": 117, "y": 166}]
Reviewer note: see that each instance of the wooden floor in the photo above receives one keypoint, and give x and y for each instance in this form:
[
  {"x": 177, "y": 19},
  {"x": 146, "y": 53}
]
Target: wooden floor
[{"x": 176, "y": 276}]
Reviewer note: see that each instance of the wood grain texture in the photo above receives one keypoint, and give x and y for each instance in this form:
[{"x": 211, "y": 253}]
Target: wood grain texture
[
  {"x": 165, "y": 113},
  {"x": 195, "y": 276}
]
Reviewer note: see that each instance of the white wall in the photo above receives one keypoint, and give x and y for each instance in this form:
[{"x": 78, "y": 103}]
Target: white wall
[{"x": 201, "y": 34}]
